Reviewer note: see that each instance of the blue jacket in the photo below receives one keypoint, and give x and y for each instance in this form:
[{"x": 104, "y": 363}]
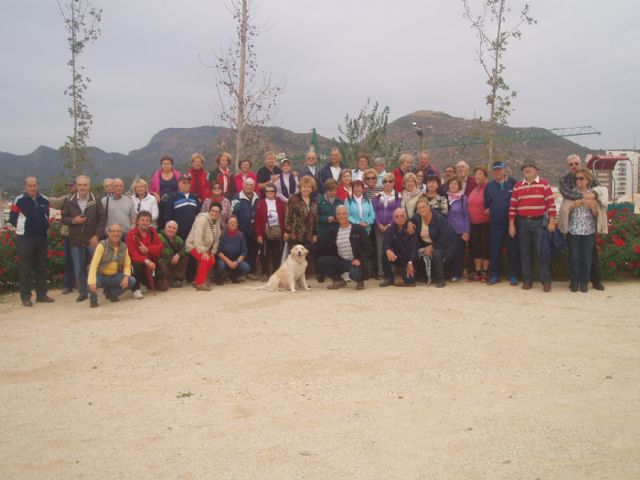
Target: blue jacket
[
  {"x": 404, "y": 245},
  {"x": 245, "y": 210},
  {"x": 326, "y": 210},
  {"x": 30, "y": 216},
  {"x": 233, "y": 247},
  {"x": 497, "y": 197},
  {"x": 443, "y": 236},
  {"x": 183, "y": 211},
  {"x": 325, "y": 174},
  {"x": 368, "y": 215}
]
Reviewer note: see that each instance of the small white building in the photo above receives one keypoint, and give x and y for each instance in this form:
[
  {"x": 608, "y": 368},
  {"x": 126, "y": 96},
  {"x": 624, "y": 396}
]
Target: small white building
[{"x": 625, "y": 173}]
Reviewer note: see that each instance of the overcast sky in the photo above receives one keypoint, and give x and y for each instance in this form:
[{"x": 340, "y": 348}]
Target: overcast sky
[{"x": 578, "y": 66}]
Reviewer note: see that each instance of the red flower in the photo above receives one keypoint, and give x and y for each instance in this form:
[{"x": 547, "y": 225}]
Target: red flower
[
  {"x": 612, "y": 264},
  {"x": 636, "y": 249},
  {"x": 619, "y": 242}
]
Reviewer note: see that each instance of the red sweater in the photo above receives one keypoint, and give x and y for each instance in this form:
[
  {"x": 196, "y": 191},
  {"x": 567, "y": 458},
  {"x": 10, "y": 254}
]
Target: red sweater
[
  {"x": 151, "y": 240},
  {"x": 532, "y": 199},
  {"x": 342, "y": 193},
  {"x": 398, "y": 187},
  {"x": 475, "y": 205},
  {"x": 260, "y": 220},
  {"x": 200, "y": 183}
]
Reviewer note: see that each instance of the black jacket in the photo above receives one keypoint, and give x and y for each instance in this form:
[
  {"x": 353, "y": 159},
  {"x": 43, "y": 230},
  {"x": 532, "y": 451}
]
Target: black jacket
[
  {"x": 400, "y": 242},
  {"x": 443, "y": 236},
  {"x": 360, "y": 244}
]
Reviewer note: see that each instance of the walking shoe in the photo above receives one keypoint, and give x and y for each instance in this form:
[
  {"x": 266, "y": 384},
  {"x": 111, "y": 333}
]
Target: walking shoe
[
  {"x": 205, "y": 287},
  {"x": 514, "y": 281},
  {"x": 598, "y": 286},
  {"x": 82, "y": 297},
  {"x": 584, "y": 288},
  {"x": 235, "y": 280},
  {"x": 114, "y": 299},
  {"x": 93, "y": 303},
  {"x": 440, "y": 284},
  {"x": 454, "y": 279},
  {"x": 143, "y": 288},
  {"x": 483, "y": 276},
  {"x": 26, "y": 302},
  {"x": 253, "y": 276},
  {"x": 546, "y": 287},
  {"x": 474, "y": 277},
  {"x": 493, "y": 280},
  {"x": 138, "y": 295},
  {"x": 176, "y": 283},
  {"x": 67, "y": 290},
  {"x": 44, "y": 299},
  {"x": 320, "y": 278},
  {"x": 526, "y": 285},
  {"x": 386, "y": 282},
  {"x": 264, "y": 278},
  {"x": 336, "y": 284},
  {"x": 573, "y": 287},
  {"x": 360, "y": 286}
]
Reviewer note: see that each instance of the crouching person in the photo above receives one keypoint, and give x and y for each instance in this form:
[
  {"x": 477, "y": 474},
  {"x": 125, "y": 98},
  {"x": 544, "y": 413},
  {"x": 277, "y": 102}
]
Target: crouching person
[
  {"x": 202, "y": 243},
  {"x": 231, "y": 254},
  {"x": 174, "y": 259},
  {"x": 400, "y": 252},
  {"x": 145, "y": 247},
  {"x": 345, "y": 249},
  {"x": 110, "y": 267}
]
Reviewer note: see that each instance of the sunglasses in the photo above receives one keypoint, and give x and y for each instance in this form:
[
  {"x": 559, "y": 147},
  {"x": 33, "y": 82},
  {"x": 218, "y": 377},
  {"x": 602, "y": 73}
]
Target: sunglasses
[
  {"x": 388, "y": 181},
  {"x": 574, "y": 164},
  {"x": 270, "y": 191},
  {"x": 580, "y": 178}
]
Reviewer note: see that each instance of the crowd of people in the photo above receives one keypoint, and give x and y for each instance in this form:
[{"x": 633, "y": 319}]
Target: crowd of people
[{"x": 404, "y": 226}]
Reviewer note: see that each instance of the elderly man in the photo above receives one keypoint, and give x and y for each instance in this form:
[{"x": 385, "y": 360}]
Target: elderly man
[
  {"x": 110, "y": 267},
  {"x": 145, "y": 248},
  {"x": 174, "y": 258},
  {"x": 269, "y": 171},
  {"x": 332, "y": 169},
  {"x": 107, "y": 187},
  {"x": 183, "y": 207},
  {"x": 425, "y": 166},
  {"x": 468, "y": 182},
  {"x": 119, "y": 208},
  {"x": 569, "y": 191},
  {"x": 531, "y": 199},
  {"x": 310, "y": 168},
  {"x": 497, "y": 198},
  {"x": 344, "y": 250},
  {"x": 243, "y": 207},
  {"x": 85, "y": 216},
  {"x": 30, "y": 217},
  {"x": 399, "y": 252}
]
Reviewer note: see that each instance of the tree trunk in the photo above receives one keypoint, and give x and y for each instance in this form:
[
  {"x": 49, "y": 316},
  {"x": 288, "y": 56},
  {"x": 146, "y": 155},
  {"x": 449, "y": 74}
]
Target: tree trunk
[
  {"x": 243, "y": 67},
  {"x": 74, "y": 94},
  {"x": 494, "y": 84}
]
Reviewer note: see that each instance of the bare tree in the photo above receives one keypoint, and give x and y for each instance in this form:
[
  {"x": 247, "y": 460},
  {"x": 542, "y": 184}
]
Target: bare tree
[
  {"x": 494, "y": 33},
  {"x": 81, "y": 20},
  {"x": 244, "y": 99}
]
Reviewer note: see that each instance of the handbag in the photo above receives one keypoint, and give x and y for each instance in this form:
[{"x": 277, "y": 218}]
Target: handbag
[{"x": 273, "y": 232}]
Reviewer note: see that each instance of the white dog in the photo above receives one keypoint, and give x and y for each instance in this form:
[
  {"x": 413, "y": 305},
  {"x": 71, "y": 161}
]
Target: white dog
[{"x": 291, "y": 271}]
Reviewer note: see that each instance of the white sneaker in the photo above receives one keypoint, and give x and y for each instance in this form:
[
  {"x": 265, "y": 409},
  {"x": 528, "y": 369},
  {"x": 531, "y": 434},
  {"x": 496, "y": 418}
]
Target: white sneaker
[
  {"x": 138, "y": 295},
  {"x": 345, "y": 277},
  {"x": 143, "y": 289}
]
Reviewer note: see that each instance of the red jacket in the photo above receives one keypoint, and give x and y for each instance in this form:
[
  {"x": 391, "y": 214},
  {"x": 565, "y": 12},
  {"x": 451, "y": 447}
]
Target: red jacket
[
  {"x": 398, "y": 187},
  {"x": 151, "y": 240},
  {"x": 260, "y": 220},
  {"x": 342, "y": 193},
  {"x": 200, "y": 183}
]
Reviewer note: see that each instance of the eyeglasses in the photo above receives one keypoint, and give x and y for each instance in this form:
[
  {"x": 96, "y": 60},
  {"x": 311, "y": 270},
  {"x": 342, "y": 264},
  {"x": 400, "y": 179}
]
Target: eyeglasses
[
  {"x": 370, "y": 178},
  {"x": 574, "y": 164},
  {"x": 580, "y": 178},
  {"x": 270, "y": 191},
  {"x": 217, "y": 187},
  {"x": 388, "y": 181}
]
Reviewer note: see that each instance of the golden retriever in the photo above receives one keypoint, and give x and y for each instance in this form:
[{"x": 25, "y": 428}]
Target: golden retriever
[{"x": 291, "y": 271}]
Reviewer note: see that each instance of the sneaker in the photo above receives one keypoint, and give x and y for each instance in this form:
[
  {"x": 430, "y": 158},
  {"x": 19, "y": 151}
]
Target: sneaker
[
  {"x": 82, "y": 298},
  {"x": 93, "y": 303},
  {"x": 138, "y": 295},
  {"x": 345, "y": 277},
  {"x": 205, "y": 287},
  {"x": 584, "y": 288},
  {"x": 483, "y": 277},
  {"x": 440, "y": 284},
  {"x": 67, "y": 290},
  {"x": 44, "y": 299},
  {"x": 386, "y": 282},
  {"x": 454, "y": 279},
  {"x": 253, "y": 276},
  {"x": 360, "y": 286},
  {"x": 26, "y": 302},
  {"x": 493, "y": 280},
  {"x": 336, "y": 284},
  {"x": 513, "y": 281},
  {"x": 474, "y": 277},
  {"x": 573, "y": 287},
  {"x": 598, "y": 286},
  {"x": 143, "y": 288}
]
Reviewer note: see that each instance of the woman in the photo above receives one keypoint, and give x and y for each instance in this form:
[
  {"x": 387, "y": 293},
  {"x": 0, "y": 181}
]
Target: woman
[
  {"x": 199, "y": 177},
  {"x": 371, "y": 182},
  {"x": 232, "y": 252},
  {"x": 405, "y": 163},
  {"x": 327, "y": 205},
  {"x": 436, "y": 201},
  {"x": 218, "y": 197},
  {"x": 269, "y": 226},
  {"x": 363, "y": 165},
  {"x": 301, "y": 222},
  {"x": 384, "y": 205},
  {"x": 411, "y": 194},
  {"x": 421, "y": 182},
  {"x": 287, "y": 183},
  {"x": 344, "y": 186},
  {"x": 244, "y": 173},
  {"x": 380, "y": 168},
  {"x": 479, "y": 217},
  {"x": 583, "y": 215},
  {"x": 202, "y": 244},
  {"x": 222, "y": 174},
  {"x": 359, "y": 208},
  {"x": 458, "y": 218},
  {"x": 143, "y": 201},
  {"x": 164, "y": 183}
]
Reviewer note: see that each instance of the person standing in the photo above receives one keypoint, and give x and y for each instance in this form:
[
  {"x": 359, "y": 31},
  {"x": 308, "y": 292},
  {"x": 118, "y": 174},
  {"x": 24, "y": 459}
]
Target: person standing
[
  {"x": 268, "y": 172},
  {"x": 425, "y": 165},
  {"x": 310, "y": 168},
  {"x": 183, "y": 207},
  {"x": 497, "y": 198},
  {"x": 164, "y": 184},
  {"x": 287, "y": 183},
  {"x": 480, "y": 221},
  {"x": 383, "y": 206},
  {"x": 332, "y": 169},
  {"x": 143, "y": 201},
  {"x": 468, "y": 182},
  {"x": 363, "y": 165},
  {"x": 458, "y": 218},
  {"x": 222, "y": 174},
  {"x": 58, "y": 204},
  {"x": 531, "y": 199},
  {"x": 30, "y": 217},
  {"x": 199, "y": 177},
  {"x": 269, "y": 227},
  {"x": 244, "y": 173},
  {"x": 86, "y": 219},
  {"x": 405, "y": 164},
  {"x": 119, "y": 208},
  {"x": 243, "y": 206}
]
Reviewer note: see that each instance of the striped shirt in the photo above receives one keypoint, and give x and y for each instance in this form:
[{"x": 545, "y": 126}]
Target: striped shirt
[
  {"x": 343, "y": 243},
  {"x": 532, "y": 199}
]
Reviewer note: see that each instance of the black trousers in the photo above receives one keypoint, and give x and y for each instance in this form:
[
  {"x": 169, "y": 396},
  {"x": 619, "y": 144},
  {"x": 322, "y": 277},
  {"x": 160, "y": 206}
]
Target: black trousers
[
  {"x": 33, "y": 257},
  {"x": 271, "y": 254}
]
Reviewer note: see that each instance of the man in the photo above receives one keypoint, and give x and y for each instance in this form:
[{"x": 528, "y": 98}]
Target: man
[
  {"x": 183, "y": 207},
  {"x": 310, "y": 168},
  {"x": 30, "y": 217},
  {"x": 468, "y": 182},
  {"x": 405, "y": 165},
  {"x": 119, "y": 208},
  {"x": 531, "y": 199},
  {"x": 399, "y": 253},
  {"x": 569, "y": 191},
  {"x": 449, "y": 173},
  {"x": 107, "y": 186},
  {"x": 425, "y": 166},
  {"x": 243, "y": 206},
  {"x": 331, "y": 169},
  {"x": 174, "y": 258},
  {"x": 268, "y": 173},
  {"x": 497, "y": 199},
  {"x": 145, "y": 248},
  {"x": 110, "y": 267},
  {"x": 344, "y": 250},
  {"x": 58, "y": 204},
  {"x": 85, "y": 216}
]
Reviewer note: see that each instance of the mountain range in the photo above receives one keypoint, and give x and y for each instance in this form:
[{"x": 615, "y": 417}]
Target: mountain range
[{"x": 448, "y": 138}]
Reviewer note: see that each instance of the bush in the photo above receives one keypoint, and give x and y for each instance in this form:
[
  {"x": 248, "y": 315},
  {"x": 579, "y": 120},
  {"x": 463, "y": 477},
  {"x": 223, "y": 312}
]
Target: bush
[{"x": 620, "y": 250}]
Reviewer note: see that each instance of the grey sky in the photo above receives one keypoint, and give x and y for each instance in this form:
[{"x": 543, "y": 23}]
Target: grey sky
[{"x": 578, "y": 66}]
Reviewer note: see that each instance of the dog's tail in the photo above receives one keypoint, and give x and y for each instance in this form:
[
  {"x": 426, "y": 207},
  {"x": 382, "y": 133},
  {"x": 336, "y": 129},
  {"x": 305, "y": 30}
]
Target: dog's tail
[{"x": 261, "y": 287}]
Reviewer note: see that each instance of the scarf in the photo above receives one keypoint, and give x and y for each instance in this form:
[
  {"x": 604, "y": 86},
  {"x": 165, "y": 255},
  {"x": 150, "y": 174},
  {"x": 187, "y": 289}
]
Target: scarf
[
  {"x": 409, "y": 195},
  {"x": 453, "y": 196},
  {"x": 225, "y": 179},
  {"x": 230, "y": 233},
  {"x": 291, "y": 189}
]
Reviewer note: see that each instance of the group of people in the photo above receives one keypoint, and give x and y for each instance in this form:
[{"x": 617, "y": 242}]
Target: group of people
[{"x": 402, "y": 226}]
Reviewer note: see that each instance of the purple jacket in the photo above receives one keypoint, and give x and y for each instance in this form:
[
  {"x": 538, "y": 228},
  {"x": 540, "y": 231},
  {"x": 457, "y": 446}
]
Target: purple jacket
[
  {"x": 384, "y": 216},
  {"x": 459, "y": 216}
]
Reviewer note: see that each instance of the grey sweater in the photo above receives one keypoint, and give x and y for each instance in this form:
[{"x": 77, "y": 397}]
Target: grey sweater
[{"x": 121, "y": 211}]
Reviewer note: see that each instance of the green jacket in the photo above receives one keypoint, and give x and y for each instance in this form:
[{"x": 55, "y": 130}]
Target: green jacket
[{"x": 168, "y": 251}]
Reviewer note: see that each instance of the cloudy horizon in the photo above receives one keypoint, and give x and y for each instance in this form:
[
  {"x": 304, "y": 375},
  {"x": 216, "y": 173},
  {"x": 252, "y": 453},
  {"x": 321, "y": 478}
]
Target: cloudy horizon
[{"x": 574, "y": 68}]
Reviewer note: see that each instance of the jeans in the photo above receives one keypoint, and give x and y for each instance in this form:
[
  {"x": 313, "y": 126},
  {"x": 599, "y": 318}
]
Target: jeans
[
  {"x": 240, "y": 271},
  {"x": 252, "y": 250},
  {"x": 379, "y": 239},
  {"x": 33, "y": 256},
  {"x": 580, "y": 257},
  {"x": 530, "y": 233},
  {"x": 81, "y": 257},
  {"x": 333, "y": 267},
  {"x": 111, "y": 285},
  {"x": 401, "y": 264},
  {"x": 455, "y": 266},
  {"x": 69, "y": 275},
  {"x": 499, "y": 236}
]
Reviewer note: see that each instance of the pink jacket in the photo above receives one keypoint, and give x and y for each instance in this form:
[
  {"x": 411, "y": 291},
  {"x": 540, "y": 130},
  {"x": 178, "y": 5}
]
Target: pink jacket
[
  {"x": 475, "y": 204},
  {"x": 155, "y": 180}
]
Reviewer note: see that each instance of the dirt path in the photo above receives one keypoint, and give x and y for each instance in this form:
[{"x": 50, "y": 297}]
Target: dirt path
[{"x": 469, "y": 382}]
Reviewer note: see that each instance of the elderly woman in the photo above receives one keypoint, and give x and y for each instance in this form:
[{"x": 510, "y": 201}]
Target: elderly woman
[
  {"x": 384, "y": 204},
  {"x": 199, "y": 177},
  {"x": 371, "y": 183},
  {"x": 359, "y": 208},
  {"x": 468, "y": 181},
  {"x": 363, "y": 165},
  {"x": 327, "y": 204},
  {"x": 144, "y": 201},
  {"x": 436, "y": 201},
  {"x": 583, "y": 214},
  {"x": 301, "y": 222},
  {"x": 480, "y": 220},
  {"x": 232, "y": 252},
  {"x": 174, "y": 259},
  {"x": 380, "y": 168},
  {"x": 244, "y": 173},
  {"x": 287, "y": 183},
  {"x": 218, "y": 197},
  {"x": 202, "y": 244},
  {"x": 164, "y": 183},
  {"x": 411, "y": 194},
  {"x": 269, "y": 226},
  {"x": 458, "y": 218},
  {"x": 421, "y": 181},
  {"x": 405, "y": 164},
  {"x": 344, "y": 185},
  {"x": 222, "y": 174}
]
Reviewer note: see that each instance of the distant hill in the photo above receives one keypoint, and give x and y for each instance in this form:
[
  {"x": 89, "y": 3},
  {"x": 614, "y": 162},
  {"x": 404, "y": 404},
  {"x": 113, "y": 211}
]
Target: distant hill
[{"x": 180, "y": 143}]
